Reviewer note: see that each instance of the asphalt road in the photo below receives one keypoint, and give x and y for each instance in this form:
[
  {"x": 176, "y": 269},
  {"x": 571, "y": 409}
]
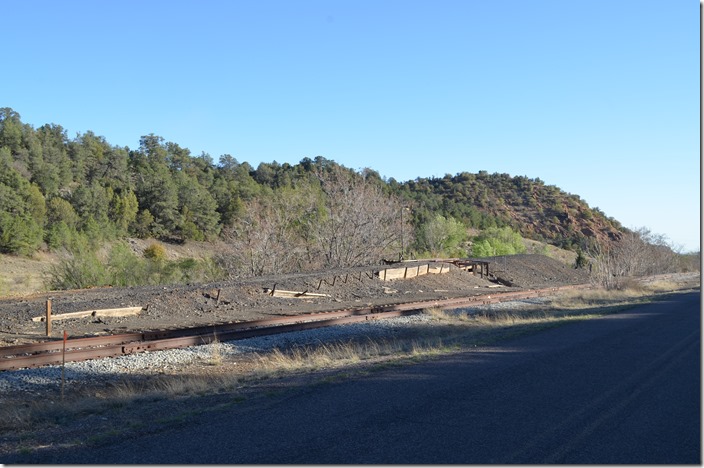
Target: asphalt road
[{"x": 625, "y": 388}]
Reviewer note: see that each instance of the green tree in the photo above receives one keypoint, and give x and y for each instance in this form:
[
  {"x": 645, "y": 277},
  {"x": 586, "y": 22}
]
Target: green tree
[
  {"x": 444, "y": 236},
  {"x": 123, "y": 209},
  {"x": 199, "y": 216},
  {"x": 498, "y": 241},
  {"x": 155, "y": 188},
  {"x": 22, "y": 210}
]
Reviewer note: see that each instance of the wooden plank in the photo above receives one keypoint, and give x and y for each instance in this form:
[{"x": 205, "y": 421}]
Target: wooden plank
[
  {"x": 121, "y": 312},
  {"x": 437, "y": 270},
  {"x": 284, "y": 293},
  {"x": 394, "y": 273}
]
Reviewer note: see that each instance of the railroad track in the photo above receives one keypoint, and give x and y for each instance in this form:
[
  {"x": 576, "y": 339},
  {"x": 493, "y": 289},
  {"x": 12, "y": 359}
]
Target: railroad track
[{"x": 81, "y": 349}]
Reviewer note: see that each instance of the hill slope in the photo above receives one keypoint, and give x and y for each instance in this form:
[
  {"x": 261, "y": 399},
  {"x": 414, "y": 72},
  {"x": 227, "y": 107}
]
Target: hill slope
[
  {"x": 54, "y": 188},
  {"x": 538, "y": 211}
]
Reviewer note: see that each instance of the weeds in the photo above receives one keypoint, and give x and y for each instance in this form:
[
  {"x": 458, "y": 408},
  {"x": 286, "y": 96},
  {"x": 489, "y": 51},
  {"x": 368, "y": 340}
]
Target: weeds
[
  {"x": 83, "y": 267},
  {"x": 215, "y": 358}
]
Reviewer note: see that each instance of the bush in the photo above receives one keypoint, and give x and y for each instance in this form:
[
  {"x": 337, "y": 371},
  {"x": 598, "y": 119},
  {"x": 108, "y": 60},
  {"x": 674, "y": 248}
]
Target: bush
[
  {"x": 581, "y": 260},
  {"x": 155, "y": 252},
  {"x": 77, "y": 269},
  {"x": 498, "y": 241},
  {"x": 80, "y": 267}
]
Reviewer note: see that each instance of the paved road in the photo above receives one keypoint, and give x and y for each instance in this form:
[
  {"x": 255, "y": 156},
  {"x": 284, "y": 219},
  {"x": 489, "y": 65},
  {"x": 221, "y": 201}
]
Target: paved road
[{"x": 621, "y": 389}]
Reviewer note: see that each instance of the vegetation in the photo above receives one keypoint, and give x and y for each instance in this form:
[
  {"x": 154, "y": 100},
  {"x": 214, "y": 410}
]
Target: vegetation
[
  {"x": 638, "y": 253},
  {"x": 82, "y": 266},
  {"x": 498, "y": 241},
  {"x": 74, "y": 195}
]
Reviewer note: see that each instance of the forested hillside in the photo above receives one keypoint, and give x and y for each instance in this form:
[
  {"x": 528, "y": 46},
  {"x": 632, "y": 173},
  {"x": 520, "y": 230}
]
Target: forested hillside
[
  {"x": 537, "y": 211},
  {"x": 55, "y": 189}
]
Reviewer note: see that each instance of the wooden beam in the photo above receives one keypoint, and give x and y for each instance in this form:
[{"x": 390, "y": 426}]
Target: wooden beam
[
  {"x": 121, "y": 312},
  {"x": 284, "y": 293}
]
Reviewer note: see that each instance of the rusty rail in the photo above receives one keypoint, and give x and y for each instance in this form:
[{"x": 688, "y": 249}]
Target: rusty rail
[{"x": 86, "y": 348}]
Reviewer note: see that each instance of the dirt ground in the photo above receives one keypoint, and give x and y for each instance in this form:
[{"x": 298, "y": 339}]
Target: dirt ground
[{"x": 190, "y": 305}]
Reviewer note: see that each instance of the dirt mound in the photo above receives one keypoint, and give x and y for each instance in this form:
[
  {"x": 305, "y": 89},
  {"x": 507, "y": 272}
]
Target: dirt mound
[
  {"x": 534, "y": 271},
  {"x": 248, "y": 299},
  {"x": 203, "y": 304}
]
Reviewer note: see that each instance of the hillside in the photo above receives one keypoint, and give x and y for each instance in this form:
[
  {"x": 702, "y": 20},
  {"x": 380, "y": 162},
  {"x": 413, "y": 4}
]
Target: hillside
[
  {"x": 537, "y": 211},
  {"x": 81, "y": 193}
]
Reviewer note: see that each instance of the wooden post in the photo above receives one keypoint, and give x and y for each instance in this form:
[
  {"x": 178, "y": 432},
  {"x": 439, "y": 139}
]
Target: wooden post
[
  {"x": 217, "y": 298},
  {"x": 48, "y": 317}
]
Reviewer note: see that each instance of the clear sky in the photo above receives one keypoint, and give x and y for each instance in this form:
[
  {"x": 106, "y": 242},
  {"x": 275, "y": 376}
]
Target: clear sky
[{"x": 600, "y": 98}]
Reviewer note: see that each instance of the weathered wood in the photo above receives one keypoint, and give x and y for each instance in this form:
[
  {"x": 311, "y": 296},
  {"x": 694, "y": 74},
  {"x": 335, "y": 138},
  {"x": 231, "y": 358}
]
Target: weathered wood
[
  {"x": 393, "y": 273},
  {"x": 284, "y": 293},
  {"x": 121, "y": 312},
  {"x": 48, "y": 317}
]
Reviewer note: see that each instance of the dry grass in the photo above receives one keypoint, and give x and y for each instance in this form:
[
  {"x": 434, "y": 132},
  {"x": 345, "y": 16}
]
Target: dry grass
[
  {"x": 344, "y": 354},
  {"x": 447, "y": 332},
  {"x": 215, "y": 358}
]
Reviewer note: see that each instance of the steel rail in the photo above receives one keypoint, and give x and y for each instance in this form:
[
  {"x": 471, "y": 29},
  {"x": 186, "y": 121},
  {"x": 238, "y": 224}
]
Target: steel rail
[{"x": 86, "y": 348}]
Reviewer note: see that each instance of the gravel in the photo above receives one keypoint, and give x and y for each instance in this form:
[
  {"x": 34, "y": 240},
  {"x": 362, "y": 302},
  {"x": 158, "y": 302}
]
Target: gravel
[
  {"x": 244, "y": 300},
  {"x": 191, "y": 305},
  {"x": 44, "y": 379},
  {"x": 101, "y": 371}
]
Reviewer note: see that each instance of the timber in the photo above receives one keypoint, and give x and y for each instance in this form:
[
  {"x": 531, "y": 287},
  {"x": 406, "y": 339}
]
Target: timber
[
  {"x": 283, "y": 293},
  {"x": 121, "y": 312}
]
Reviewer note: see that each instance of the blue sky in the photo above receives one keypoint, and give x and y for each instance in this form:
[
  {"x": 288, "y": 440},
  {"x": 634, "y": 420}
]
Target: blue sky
[{"x": 600, "y": 98}]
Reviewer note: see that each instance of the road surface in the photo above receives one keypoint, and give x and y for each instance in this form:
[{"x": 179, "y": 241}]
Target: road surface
[{"x": 624, "y": 388}]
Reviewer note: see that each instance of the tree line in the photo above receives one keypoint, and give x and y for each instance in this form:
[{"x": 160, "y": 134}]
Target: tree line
[{"x": 58, "y": 192}]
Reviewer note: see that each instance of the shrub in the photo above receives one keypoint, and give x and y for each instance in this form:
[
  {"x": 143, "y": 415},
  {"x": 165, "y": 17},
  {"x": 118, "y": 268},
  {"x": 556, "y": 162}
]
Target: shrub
[
  {"x": 80, "y": 267},
  {"x": 155, "y": 252},
  {"x": 498, "y": 241},
  {"x": 77, "y": 268},
  {"x": 581, "y": 260}
]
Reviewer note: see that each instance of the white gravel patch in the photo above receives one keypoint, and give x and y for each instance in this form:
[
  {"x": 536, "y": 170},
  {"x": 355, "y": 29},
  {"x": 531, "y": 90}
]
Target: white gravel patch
[
  {"x": 48, "y": 378},
  {"x": 40, "y": 380}
]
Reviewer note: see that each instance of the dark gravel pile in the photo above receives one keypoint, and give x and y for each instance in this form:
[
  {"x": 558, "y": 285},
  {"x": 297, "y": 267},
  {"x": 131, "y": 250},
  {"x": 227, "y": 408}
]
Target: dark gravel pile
[
  {"x": 534, "y": 271},
  {"x": 246, "y": 299}
]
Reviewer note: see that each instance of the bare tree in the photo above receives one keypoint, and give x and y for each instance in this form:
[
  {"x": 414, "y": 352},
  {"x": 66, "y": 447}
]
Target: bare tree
[
  {"x": 639, "y": 252},
  {"x": 349, "y": 221},
  {"x": 359, "y": 225},
  {"x": 267, "y": 238}
]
